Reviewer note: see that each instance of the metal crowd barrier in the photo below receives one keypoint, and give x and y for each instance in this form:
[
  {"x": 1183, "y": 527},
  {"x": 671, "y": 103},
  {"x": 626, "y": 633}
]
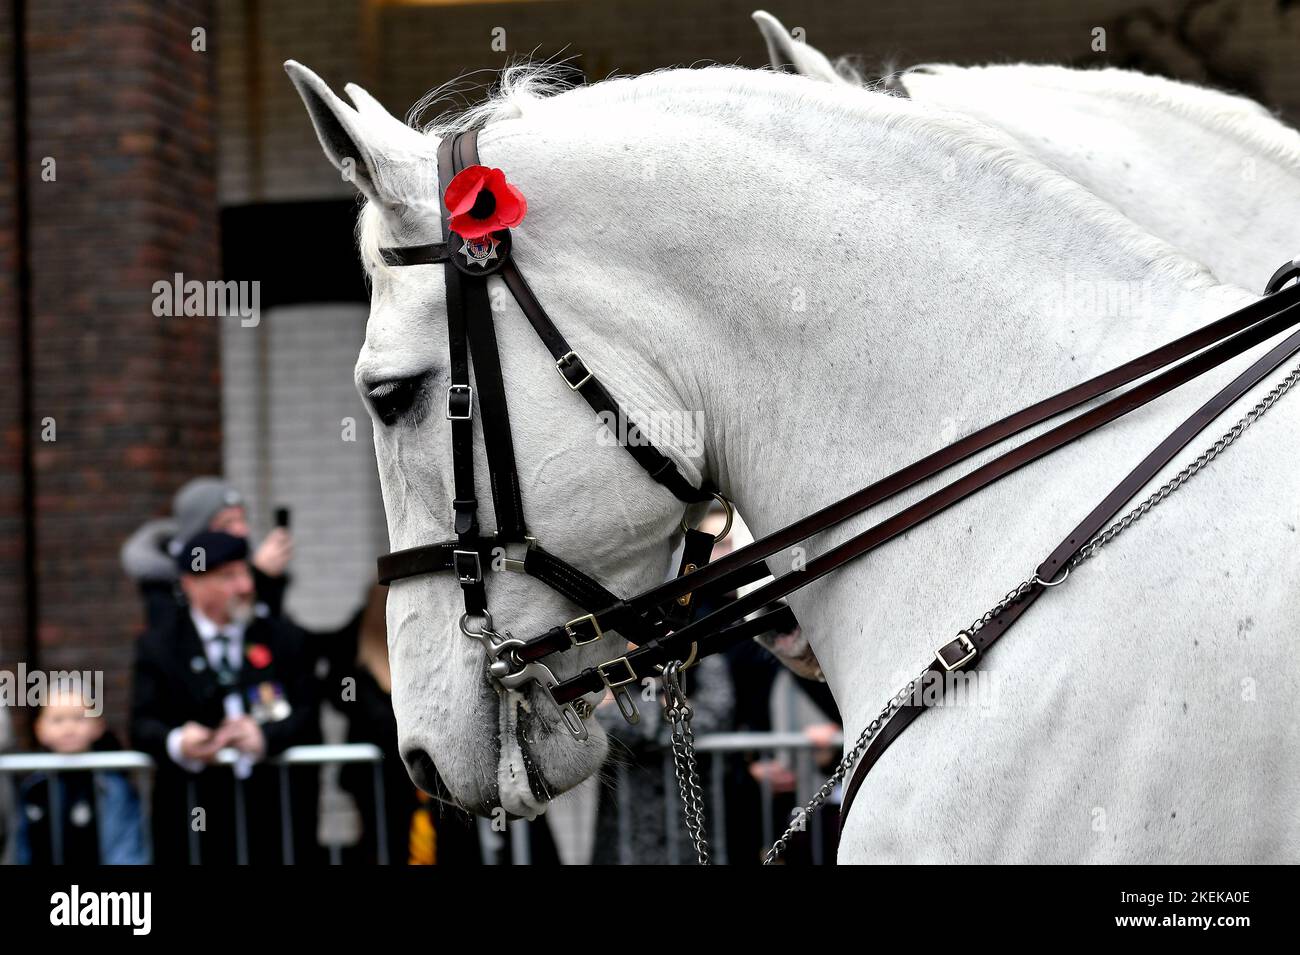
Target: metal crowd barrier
[
  {"x": 140, "y": 763},
  {"x": 712, "y": 749},
  {"x": 514, "y": 847}
]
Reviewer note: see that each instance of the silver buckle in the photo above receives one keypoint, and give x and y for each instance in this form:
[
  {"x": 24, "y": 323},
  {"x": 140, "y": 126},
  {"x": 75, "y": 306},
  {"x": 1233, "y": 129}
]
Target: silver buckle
[
  {"x": 468, "y": 392},
  {"x": 518, "y": 564},
  {"x": 467, "y": 578},
  {"x": 963, "y": 643},
  {"x": 615, "y": 684},
  {"x": 566, "y": 359},
  {"x": 585, "y": 618}
]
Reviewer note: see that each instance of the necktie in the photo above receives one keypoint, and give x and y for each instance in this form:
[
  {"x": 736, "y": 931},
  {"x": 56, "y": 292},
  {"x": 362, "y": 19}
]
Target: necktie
[{"x": 225, "y": 673}]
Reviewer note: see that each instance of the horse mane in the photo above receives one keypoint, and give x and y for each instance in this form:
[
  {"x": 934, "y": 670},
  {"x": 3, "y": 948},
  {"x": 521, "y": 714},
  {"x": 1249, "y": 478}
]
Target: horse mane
[
  {"x": 1236, "y": 117},
  {"x": 531, "y": 91}
]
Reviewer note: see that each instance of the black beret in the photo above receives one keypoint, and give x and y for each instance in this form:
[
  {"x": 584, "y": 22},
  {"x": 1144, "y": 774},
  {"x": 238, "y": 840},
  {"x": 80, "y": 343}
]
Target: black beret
[{"x": 208, "y": 550}]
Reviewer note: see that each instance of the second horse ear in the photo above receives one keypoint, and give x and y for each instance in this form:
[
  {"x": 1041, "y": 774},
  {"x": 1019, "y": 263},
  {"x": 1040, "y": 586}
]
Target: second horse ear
[
  {"x": 383, "y": 158},
  {"x": 787, "y": 54}
]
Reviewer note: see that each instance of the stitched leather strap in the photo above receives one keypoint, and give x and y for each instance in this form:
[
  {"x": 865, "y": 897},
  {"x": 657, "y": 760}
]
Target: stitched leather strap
[
  {"x": 673, "y": 646},
  {"x": 579, "y": 378},
  {"x": 493, "y": 408},
  {"x": 1063, "y": 554},
  {"x": 465, "y": 505},
  {"x": 697, "y": 546},
  {"x": 1262, "y": 319}
]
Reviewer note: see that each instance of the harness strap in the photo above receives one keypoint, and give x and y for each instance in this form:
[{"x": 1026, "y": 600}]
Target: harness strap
[
  {"x": 643, "y": 660},
  {"x": 1263, "y": 318},
  {"x": 697, "y": 546},
  {"x": 580, "y": 379},
  {"x": 503, "y": 476},
  {"x": 965, "y": 653},
  {"x": 468, "y": 565}
]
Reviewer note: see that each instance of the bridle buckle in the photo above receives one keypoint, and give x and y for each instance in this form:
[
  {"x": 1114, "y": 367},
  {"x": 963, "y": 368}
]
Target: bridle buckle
[
  {"x": 520, "y": 564},
  {"x": 568, "y": 360},
  {"x": 596, "y": 631},
  {"x": 465, "y": 413},
  {"x": 962, "y": 645},
  {"x": 468, "y": 566},
  {"x": 627, "y": 669}
]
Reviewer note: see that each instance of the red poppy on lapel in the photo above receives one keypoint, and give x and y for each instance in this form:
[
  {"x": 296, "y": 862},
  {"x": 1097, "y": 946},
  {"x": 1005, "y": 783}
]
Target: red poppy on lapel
[
  {"x": 259, "y": 655},
  {"x": 480, "y": 201}
]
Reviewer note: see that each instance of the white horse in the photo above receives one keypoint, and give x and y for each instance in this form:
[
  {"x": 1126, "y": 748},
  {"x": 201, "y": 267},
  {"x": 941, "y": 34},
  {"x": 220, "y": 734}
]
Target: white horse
[
  {"x": 714, "y": 242},
  {"x": 1215, "y": 175}
]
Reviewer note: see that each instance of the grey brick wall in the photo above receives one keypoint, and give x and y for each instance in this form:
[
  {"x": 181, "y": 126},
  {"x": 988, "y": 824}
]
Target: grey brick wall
[{"x": 284, "y": 446}]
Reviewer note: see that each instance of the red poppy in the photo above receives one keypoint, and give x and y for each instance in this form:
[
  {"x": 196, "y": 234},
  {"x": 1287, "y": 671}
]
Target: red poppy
[
  {"x": 259, "y": 655},
  {"x": 481, "y": 201}
]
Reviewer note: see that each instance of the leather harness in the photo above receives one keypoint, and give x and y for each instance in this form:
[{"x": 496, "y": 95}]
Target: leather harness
[{"x": 661, "y": 620}]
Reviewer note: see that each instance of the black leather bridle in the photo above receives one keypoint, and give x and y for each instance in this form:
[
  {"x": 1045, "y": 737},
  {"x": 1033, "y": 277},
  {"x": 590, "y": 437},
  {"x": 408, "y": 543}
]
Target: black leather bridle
[
  {"x": 660, "y": 620},
  {"x": 466, "y": 268}
]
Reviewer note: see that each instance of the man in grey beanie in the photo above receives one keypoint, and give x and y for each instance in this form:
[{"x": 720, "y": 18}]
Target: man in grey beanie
[{"x": 204, "y": 503}]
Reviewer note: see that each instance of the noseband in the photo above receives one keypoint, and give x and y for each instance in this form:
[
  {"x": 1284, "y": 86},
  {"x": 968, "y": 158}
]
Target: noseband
[{"x": 661, "y": 621}]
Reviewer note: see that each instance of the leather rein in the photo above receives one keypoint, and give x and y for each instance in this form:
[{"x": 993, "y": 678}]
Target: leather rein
[{"x": 661, "y": 621}]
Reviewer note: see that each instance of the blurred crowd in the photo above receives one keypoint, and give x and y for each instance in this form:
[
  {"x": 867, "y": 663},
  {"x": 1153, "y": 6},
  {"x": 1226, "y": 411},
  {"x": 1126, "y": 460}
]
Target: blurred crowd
[{"x": 224, "y": 680}]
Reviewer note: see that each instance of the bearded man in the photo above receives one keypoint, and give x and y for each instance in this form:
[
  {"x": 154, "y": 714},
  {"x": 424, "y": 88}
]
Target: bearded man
[{"x": 218, "y": 690}]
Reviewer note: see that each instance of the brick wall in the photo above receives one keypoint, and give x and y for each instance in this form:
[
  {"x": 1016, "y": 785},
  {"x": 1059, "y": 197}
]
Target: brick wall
[
  {"x": 125, "y": 108},
  {"x": 304, "y": 457},
  {"x": 13, "y": 572}
]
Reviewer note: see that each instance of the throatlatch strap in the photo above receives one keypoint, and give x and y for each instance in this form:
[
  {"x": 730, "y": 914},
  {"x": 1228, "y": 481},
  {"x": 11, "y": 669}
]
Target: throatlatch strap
[
  {"x": 580, "y": 379},
  {"x": 1062, "y": 555}
]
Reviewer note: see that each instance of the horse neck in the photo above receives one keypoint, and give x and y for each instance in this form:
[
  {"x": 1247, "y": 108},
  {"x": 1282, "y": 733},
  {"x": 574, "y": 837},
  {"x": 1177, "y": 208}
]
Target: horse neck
[
  {"x": 1234, "y": 207},
  {"x": 831, "y": 324}
]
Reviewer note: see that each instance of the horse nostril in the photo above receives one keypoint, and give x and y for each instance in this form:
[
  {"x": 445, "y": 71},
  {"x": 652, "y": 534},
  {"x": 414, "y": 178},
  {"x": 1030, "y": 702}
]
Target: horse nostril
[
  {"x": 419, "y": 766},
  {"x": 395, "y": 397}
]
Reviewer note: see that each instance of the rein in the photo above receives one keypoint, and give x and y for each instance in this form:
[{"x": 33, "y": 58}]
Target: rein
[{"x": 661, "y": 621}]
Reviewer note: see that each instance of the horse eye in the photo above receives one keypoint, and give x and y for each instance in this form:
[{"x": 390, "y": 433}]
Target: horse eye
[{"x": 396, "y": 397}]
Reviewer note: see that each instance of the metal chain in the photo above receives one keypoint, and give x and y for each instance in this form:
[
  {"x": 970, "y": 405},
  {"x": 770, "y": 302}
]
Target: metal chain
[
  {"x": 1187, "y": 473},
  {"x": 851, "y": 757},
  {"x": 1088, "y": 550},
  {"x": 678, "y": 713}
]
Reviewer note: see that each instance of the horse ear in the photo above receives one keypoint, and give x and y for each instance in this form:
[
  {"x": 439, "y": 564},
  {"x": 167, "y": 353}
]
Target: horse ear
[
  {"x": 393, "y": 129},
  {"x": 784, "y": 51},
  {"x": 368, "y": 151}
]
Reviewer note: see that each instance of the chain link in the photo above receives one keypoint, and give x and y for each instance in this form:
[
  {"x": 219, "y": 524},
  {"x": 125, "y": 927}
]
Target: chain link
[
  {"x": 864, "y": 740},
  {"x": 678, "y": 713},
  {"x": 1088, "y": 550},
  {"x": 1187, "y": 473}
]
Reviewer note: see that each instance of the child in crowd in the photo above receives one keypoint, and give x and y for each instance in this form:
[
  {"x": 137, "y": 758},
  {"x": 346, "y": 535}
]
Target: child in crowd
[{"x": 101, "y": 822}]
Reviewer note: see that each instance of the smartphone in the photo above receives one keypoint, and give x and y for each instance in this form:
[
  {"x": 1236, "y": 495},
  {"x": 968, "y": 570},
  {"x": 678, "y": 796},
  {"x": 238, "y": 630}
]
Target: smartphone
[{"x": 282, "y": 517}]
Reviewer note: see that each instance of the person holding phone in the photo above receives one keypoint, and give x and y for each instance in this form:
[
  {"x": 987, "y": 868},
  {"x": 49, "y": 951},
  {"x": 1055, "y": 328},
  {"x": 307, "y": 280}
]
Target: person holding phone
[
  {"x": 218, "y": 676},
  {"x": 205, "y": 503}
]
